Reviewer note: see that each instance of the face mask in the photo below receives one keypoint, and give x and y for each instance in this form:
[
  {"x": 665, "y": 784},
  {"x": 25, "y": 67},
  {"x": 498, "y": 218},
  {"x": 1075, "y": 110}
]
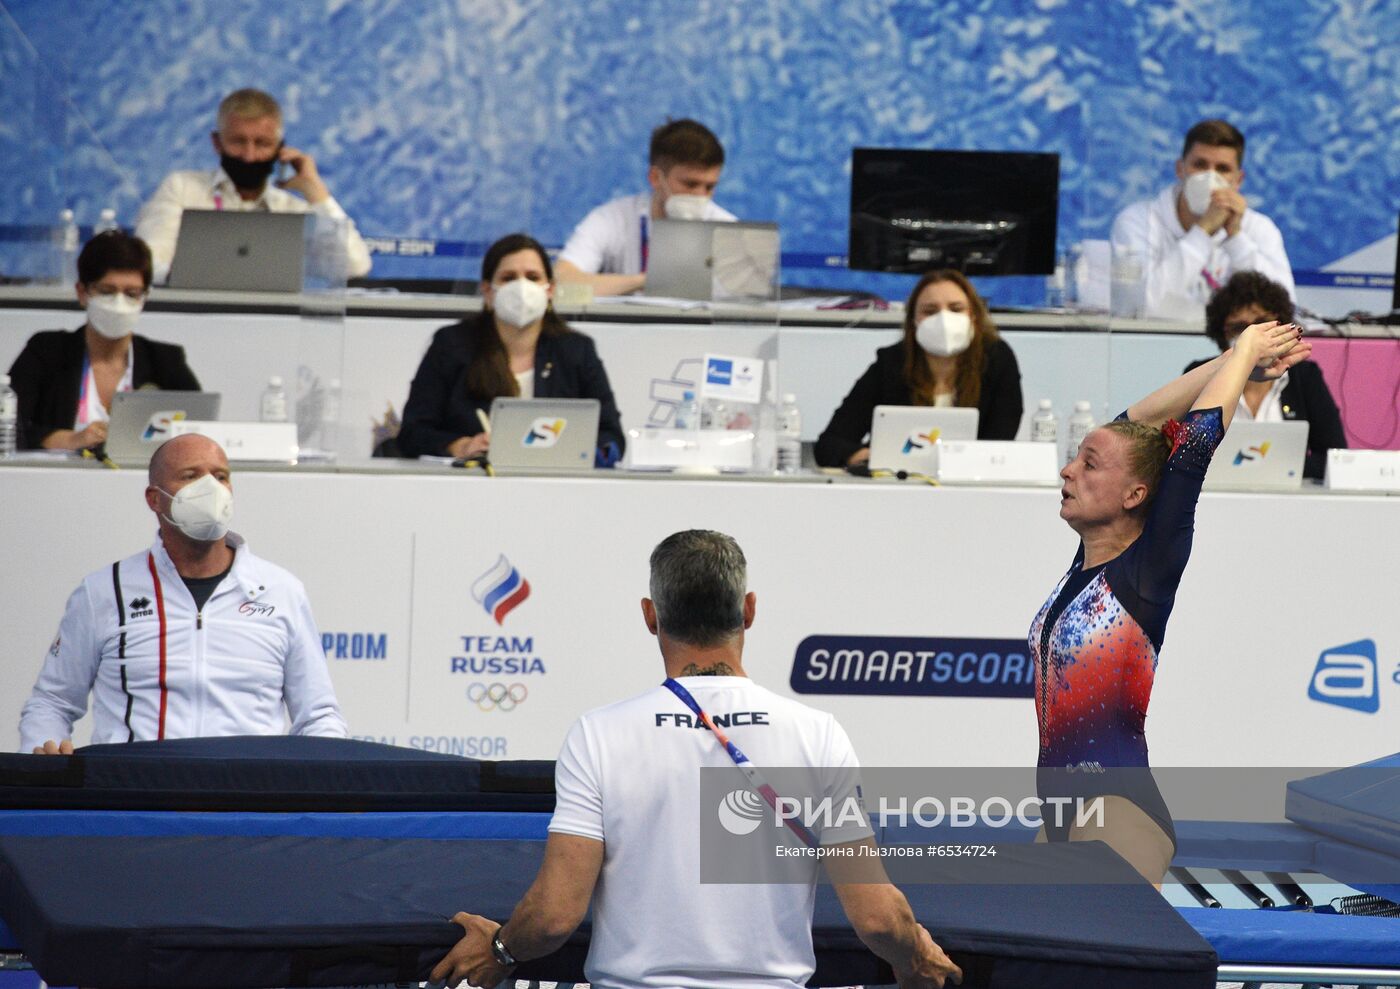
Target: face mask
[
  {"x": 683, "y": 206},
  {"x": 249, "y": 174},
  {"x": 520, "y": 303},
  {"x": 1197, "y": 189},
  {"x": 201, "y": 509},
  {"x": 113, "y": 316},
  {"x": 945, "y": 333}
]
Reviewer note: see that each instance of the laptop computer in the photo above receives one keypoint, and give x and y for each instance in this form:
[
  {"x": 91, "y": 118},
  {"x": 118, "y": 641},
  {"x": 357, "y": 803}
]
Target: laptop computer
[
  {"x": 140, "y": 420},
  {"x": 712, "y": 260},
  {"x": 544, "y": 434},
  {"x": 241, "y": 252},
  {"x": 902, "y": 437},
  {"x": 1259, "y": 456}
]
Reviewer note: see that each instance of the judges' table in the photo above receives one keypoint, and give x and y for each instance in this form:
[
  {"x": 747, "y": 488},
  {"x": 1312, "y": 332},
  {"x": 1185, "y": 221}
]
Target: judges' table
[
  {"x": 900, "y": 608},
  {"x": 372, "y": 343}
]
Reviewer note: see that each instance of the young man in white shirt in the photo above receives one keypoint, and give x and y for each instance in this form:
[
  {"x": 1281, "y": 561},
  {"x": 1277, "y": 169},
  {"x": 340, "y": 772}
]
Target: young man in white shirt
[
  {"x": 608, "y": 250},
  {"x": 626, "y": 830},
  {"x": 249, "y": 144},
  {"x": 1193, "y": 235},
  {"x": 194, "y": 637}
]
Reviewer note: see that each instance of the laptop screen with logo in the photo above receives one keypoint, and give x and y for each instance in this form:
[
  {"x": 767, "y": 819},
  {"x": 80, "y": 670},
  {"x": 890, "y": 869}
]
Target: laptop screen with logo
[
  {"x": 142, "y": 420},
  {"x": 902, "y": 437},
  {"x": 1259, "y": 456},
  {"x": 544, "y": 433},
  {"x": 237, "y": 251}
]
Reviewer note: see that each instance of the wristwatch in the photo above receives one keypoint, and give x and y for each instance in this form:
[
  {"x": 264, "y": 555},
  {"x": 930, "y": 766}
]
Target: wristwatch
[{"x": 501, "y": 953}]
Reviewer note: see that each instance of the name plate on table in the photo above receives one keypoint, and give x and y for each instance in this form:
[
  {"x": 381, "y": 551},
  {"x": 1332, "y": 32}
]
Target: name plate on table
[
  {"x": 263, "y": 442},
  {"x": 720, "y": 448},
  {"x": 998, "y": 462},
  {"x": 1363, "y": 470}
]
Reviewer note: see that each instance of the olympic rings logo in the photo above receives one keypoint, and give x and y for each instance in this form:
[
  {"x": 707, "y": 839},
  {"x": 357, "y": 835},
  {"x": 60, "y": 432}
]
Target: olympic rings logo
[{"x": 497, "y": 696}]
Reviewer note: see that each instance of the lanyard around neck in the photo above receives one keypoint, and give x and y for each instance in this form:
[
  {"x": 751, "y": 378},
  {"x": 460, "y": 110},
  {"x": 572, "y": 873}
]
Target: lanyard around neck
[{"x": 750, "y": 771}]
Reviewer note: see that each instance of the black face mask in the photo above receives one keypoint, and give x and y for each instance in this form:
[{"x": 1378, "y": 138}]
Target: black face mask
[{"x": 250, "y": 175}]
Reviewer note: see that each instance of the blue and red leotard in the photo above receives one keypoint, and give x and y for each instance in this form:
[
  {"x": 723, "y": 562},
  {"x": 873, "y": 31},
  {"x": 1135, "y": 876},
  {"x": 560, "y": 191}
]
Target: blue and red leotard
[{"x": 1096, "y": 639}]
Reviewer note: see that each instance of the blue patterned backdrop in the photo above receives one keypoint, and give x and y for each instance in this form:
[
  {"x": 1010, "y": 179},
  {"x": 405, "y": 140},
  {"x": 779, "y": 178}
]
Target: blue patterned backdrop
[{"x": 465, "y": 119}]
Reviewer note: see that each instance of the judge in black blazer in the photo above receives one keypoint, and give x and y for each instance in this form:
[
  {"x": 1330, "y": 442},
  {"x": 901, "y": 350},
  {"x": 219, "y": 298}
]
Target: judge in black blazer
[
  {"x": 951, "y": 355},
  {"x": 1249, "y": 297},
  {"x": 517, "y": 346},
  {"x": 65, "y": 379}
]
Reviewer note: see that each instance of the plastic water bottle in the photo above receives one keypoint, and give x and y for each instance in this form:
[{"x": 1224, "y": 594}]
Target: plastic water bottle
[
  {"x": 1076, "y": 276},
  {"x": 67, "y": 245},
  {"x": 714, "y": 414},
  {"x": 274, "y": 401},
  {"x": 330, "y": 416},
  {"x": 106, "y": 220},
  {"x": 789, "y": 436},
  {"x": 765, "y": 451},
  {"x": 1055, "y": 295},
  {"x": 1126, "y": 288},
  {"x": 688, "y": 412},
  {"x": 9, "y": 417},
  {"x": 1081, "y": 423},
  {"x": 1044, "y": 425}
]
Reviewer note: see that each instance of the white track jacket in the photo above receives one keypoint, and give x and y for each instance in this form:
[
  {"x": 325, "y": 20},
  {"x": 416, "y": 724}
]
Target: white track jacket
[{"x": 157, "y": 669}]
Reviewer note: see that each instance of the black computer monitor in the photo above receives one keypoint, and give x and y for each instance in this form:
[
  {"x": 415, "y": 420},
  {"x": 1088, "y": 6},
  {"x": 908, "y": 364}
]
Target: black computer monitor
[{"x": 982, "y": 212}]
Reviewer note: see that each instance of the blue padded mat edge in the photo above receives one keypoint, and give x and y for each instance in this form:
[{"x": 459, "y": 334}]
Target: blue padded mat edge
[
  {"x": 1295, "y": 937},
  {"x": 1359, "y": 804},
  {"x": 1052, "y": 934}
]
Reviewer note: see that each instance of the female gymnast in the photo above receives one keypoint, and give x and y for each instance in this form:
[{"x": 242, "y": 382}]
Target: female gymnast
[{"x": 1130, "y": 493}]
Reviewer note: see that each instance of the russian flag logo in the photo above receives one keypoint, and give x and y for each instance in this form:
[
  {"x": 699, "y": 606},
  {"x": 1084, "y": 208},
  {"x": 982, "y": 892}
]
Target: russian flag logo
[{"x": 500, "y": 590}]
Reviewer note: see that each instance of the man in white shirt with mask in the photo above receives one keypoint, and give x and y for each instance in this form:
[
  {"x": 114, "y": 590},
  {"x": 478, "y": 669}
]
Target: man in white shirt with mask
[
  {"x": 608, "y": 250},
  {"x": 194, "y": 637},
  {"x": 250, "y": 147},
  {"x": 1199, "y": 231},
  {"x": 626, "y": 831}
]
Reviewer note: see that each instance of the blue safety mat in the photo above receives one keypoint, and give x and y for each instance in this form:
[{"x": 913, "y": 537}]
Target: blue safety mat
[
  {"x": 163, "y": 823},
  {"x": 1262, "y": 847},
  {"x": 1370, "y": 872},
  {"x": 1297, "y": 937},
  {"x": 219, "y": 911},
  {"x": 1360, "y": 804},
  {"x": 272, "y": 773}
]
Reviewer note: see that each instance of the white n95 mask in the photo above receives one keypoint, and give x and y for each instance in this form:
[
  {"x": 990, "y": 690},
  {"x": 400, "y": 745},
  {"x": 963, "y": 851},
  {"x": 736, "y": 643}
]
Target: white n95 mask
[
  {"x": 945, "y": 333},
  {"x": 520, "y": 303},
  {"x": 201, "y": 509},
  {"x": 684, "y": 206},
  {"x": 113, "y": 316},
  {"x": 1197, "y": 189}
]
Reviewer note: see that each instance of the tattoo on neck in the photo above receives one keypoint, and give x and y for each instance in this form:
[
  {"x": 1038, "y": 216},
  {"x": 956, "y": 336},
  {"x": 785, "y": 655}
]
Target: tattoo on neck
[{"x": 717, "y": 670}]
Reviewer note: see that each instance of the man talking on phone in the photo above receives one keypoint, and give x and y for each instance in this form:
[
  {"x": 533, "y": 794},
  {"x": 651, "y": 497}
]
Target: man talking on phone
[{"x": 250, "y": 147}]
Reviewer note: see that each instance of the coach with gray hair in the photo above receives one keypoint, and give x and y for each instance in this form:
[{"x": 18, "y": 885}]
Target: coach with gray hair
[{"x": 626, "y": 831}]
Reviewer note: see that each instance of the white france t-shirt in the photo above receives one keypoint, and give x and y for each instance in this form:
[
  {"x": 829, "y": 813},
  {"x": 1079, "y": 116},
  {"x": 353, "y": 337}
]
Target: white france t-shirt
[{"x": 629, "y": 776}]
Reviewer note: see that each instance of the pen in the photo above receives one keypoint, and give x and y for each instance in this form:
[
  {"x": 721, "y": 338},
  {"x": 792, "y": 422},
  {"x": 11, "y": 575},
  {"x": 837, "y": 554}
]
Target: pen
[{"x": 485, "y": 421}]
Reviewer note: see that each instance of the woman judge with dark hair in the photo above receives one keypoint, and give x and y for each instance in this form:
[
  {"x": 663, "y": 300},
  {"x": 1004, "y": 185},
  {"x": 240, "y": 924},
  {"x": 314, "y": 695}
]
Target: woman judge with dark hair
[
  {"x": 1249, "y": 297},
  {"x": 951, "y": 355},
  {"x": 517, "y": 346},
  {"x": 65, "y": 379}
]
